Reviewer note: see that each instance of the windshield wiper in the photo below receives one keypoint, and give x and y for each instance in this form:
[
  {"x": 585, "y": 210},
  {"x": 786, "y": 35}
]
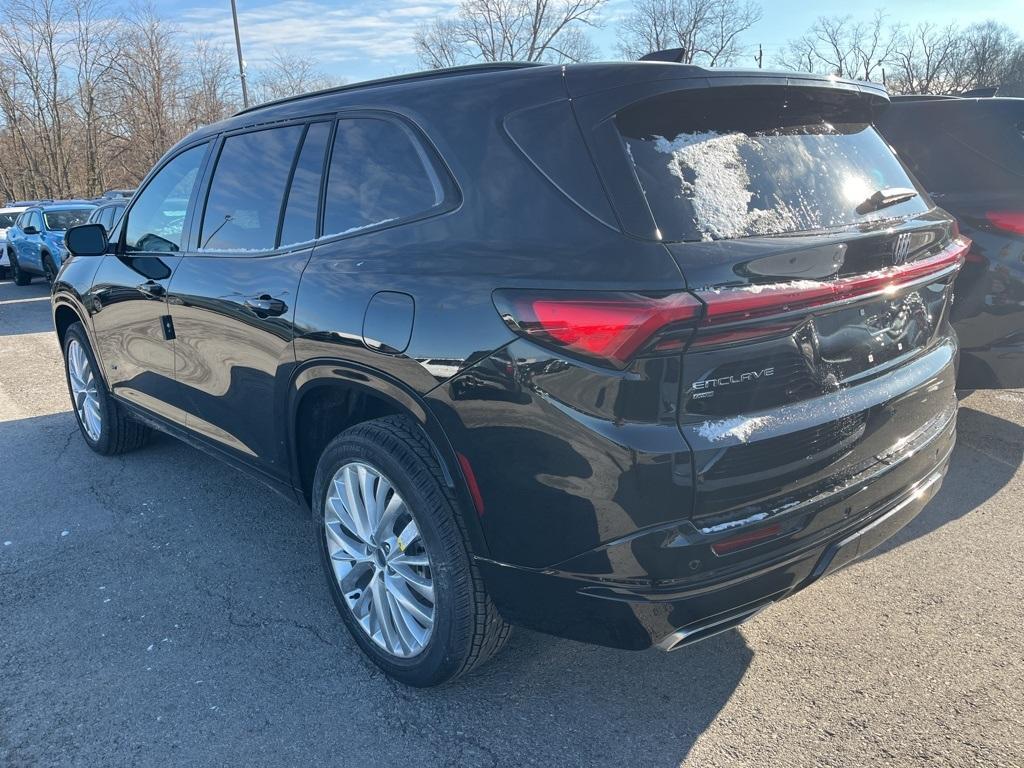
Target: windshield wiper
[{"x": 883, "y": 198}]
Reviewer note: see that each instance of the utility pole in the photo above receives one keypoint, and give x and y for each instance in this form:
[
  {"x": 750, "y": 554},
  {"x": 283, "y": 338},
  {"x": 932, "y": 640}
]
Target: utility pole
[
  {"x": 760, "y": 56},
  {"x": 238, "y": 48}
]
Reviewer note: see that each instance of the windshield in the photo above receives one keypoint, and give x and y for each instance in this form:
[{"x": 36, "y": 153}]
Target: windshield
[
  {"x": 58, "y": 221},
  {"x": 709, "y": 179},
  {"x": 7, "y": 220}
]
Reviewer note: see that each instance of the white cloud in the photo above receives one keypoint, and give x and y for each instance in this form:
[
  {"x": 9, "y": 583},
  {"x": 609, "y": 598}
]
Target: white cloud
[{"x": 378, "y": 34}]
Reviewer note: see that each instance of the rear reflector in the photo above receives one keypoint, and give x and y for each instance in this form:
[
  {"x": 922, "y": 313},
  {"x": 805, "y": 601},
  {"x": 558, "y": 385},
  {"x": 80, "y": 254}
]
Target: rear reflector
[
  {"x": 743, "y": 540},
  {"x": 1008, "y": 221},
  {"x": 612, "y": 327}
]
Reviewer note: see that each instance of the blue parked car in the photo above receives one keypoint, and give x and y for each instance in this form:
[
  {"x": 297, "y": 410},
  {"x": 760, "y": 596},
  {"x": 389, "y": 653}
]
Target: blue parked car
[{"x": 35, "y": 243}]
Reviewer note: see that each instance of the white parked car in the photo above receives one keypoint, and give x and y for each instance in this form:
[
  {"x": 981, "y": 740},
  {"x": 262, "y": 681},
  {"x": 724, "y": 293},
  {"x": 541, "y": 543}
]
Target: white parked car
[{"x": 7, "y": 217}]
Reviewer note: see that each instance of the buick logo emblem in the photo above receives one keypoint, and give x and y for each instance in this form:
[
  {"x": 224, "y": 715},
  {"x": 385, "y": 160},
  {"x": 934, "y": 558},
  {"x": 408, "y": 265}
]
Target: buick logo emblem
[{"x": 901, "y": 249}]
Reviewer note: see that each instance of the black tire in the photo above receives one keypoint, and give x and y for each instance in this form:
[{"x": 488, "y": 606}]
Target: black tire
[
  {"x": 17, "y": 273},
  {"x": 49, "y": 268},
  {"x": 467, "y": 628},
  {"x": 119, "y": 432}
]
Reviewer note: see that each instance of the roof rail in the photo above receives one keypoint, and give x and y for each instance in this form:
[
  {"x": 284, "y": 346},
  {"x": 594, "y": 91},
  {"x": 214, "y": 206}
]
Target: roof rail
[
  {"x": 429, "y": 74},
  {"x": 923, "y": 97}
]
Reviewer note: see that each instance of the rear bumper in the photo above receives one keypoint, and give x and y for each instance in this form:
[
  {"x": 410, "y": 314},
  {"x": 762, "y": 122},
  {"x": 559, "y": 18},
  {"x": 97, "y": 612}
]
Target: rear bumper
[{"x": 637, "y": 611}]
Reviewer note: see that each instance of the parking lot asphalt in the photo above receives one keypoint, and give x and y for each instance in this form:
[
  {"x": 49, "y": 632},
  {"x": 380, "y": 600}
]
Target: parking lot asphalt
[{"x": 162, "y": 609}]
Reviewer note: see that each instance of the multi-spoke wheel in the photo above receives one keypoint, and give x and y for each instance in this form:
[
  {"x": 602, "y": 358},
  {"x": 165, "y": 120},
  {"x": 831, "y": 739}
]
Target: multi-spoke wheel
[
  {"x": 106, "y": 426},
  {"x": 379, "y": 560},
  {"x": 396, "y": 556},
  {"x": 84, "y": 393}
]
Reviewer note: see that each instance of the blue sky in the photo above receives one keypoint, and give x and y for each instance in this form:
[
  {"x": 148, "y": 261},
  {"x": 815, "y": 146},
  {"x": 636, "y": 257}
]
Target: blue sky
[{"x": 360, "y": 40}]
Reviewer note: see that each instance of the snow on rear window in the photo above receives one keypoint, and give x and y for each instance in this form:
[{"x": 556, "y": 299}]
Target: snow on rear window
[{"x": 712, "y": 185}]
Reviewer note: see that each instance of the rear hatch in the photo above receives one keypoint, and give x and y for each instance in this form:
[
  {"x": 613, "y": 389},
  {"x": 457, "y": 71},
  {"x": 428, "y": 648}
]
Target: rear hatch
[{"x": 822, "y": 346}]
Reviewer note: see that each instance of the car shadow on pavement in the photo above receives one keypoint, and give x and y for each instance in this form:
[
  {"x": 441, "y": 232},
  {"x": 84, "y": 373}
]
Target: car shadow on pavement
[
  {"x": 24, "y": 308},
  {"x": 988, "y": 453}
]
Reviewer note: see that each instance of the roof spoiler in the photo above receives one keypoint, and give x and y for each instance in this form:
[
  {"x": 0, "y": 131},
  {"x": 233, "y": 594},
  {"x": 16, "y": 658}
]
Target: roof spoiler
[{"x": 671, "y": 55}]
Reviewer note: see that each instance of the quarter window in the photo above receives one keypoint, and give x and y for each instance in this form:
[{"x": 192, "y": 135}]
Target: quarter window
[
  {"x": 378, "y": 174},
  {"x": 247, "y": 191},
  {"x": 156, "y": 220}
]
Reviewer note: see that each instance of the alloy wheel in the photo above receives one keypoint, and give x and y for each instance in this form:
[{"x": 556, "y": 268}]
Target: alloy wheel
[
  {"x": 84, "y": 392},
  {"x": 379, "y": 559}
]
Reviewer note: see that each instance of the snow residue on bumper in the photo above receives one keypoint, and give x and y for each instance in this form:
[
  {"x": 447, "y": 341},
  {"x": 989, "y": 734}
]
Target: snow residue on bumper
[{"x": 739, "y": 427}]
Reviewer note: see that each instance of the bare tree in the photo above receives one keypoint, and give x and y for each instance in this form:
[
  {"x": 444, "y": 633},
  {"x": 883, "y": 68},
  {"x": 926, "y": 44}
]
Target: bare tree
[
  {"x": 843, "y": 46},
  {"x": 510, "y": 30},
  {"x": 708, "y": 31},
  {"x": 289, "y": 75},
  {"x": 924, "y": 59}
]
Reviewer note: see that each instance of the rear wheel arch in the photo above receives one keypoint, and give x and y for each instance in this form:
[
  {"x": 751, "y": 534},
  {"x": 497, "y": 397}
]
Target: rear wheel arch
[{"x": 328, "y": 397}]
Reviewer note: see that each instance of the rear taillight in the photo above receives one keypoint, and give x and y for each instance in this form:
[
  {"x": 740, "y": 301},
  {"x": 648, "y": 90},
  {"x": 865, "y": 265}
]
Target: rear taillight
[
  {"x": 612, "y": 327},
  {"x": 1008, "y": 221},
  {"x": 609, "y": 327}
]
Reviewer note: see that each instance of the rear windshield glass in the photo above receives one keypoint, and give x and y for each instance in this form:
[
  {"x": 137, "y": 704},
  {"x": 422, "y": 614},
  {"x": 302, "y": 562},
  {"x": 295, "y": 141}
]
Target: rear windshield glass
[
  {"x": 61, "y": 220},
  {"x": 7, "y": 220},
  {"x": 713, "y": 173}
]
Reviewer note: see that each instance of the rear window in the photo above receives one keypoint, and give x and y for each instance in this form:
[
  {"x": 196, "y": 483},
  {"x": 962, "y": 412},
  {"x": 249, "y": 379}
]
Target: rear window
[
  {"x": 960, "y": 147},
  {"x": 715, "y": 169},
  {"x": 60, "y": 220},
  {"x": 7, "y": 220}
]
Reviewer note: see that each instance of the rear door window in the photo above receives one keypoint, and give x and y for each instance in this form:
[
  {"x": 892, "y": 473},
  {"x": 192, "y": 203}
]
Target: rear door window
[
  {"x": 378, "y": 173},
  {"x": 243, "y": 207},
  {"x": 301, "y": 210},
  {"x": 711, "y": 170}
]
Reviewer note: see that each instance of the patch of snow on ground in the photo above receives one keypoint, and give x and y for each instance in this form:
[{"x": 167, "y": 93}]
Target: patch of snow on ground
[
  {"x": 720, "y": 191},
  {"x": 739, "y": 427}
]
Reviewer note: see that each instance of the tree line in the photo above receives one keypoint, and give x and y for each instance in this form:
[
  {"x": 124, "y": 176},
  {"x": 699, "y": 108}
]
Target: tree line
[{"x": 91, "y": 95}]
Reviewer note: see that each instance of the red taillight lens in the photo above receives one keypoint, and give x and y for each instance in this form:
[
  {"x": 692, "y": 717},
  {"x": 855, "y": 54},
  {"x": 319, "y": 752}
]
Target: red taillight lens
[
  {"x": 1008, "y": 221},
  {"x": 610, "y": 327}
]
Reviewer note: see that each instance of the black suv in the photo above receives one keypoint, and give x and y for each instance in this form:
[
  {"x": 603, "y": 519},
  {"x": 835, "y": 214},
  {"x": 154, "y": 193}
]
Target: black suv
[
  {"x": 620, "y": 352},
  {"x": 969, "y": 155}
]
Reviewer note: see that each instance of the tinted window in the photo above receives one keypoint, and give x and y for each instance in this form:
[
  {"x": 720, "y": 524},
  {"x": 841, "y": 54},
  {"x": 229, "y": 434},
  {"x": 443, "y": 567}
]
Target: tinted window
[
  {"x": 156, "y": 221},
  {"x": 304, "y": 196},
  {"x": 7, "y": 220},
  {"x": 58, "y": 221},
  {"x": 244, "y": 204},
  {"x": 714, "y": 171},
  {"x": 377, "y": 174}
]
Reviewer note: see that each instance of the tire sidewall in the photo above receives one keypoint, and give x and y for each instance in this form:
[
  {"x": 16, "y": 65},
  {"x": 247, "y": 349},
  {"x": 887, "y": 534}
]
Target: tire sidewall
[
  {"x": 445, "y": 650},
  {"x": 19, "y": 275},
  {"x": 77, "y": 333}
]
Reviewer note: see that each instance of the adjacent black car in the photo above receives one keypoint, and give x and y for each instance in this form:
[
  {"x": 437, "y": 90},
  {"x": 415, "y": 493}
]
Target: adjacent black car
[
  {"x": 621, "y": 352},
  {"x": 969, "y": 154}
]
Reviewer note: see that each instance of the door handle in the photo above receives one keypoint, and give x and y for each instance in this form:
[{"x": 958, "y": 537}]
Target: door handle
[
  {"x": 152, "y": 288},
  {"x": 266, "y": 306}
]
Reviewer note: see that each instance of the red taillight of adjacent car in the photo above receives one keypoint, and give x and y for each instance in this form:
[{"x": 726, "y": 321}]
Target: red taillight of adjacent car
[
  {"x": 1008, "y": 221},
  {"x": 612, "y": 327}
]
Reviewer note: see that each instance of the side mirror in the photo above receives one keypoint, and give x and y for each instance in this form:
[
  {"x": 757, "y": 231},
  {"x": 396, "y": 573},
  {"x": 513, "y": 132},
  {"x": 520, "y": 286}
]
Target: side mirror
[
  {"x": 30, "y": 230},
  {"x": 86, "y": 240}
]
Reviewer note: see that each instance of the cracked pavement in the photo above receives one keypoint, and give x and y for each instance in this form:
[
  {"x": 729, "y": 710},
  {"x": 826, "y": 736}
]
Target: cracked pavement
[{"x": 162, "y": 609}]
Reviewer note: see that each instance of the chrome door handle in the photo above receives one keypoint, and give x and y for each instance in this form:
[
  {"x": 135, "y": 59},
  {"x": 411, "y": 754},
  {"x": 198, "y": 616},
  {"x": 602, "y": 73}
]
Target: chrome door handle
[{"x": 265, "y": 306}]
